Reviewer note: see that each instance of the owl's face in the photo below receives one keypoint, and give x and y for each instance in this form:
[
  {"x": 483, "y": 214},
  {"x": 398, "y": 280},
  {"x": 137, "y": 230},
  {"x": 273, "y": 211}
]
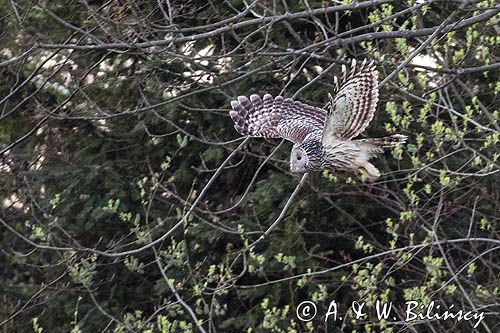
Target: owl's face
[{"x": 298, "y": 160}]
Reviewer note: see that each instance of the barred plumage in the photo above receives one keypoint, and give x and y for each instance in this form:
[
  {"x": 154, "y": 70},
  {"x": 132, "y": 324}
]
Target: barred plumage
[
  {"x": 276, "y": 117},
  {"x": 356, "y": 97},
  {"x": 322, "y": 138}
]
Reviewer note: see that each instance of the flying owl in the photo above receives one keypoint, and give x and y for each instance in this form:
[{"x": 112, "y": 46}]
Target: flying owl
[{"x": 323, "y": 139}]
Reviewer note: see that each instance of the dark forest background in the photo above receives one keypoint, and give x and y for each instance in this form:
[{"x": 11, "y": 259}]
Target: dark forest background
[{"x": 130, "y": 204}]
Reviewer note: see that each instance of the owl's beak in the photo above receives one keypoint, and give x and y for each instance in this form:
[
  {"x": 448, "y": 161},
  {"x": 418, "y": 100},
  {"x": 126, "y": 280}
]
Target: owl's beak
[{"x": 296, "y": 169}]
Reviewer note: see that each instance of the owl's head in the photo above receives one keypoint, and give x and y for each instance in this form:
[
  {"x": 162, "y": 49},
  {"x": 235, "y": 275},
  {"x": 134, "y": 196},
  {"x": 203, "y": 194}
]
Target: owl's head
[
  {"x": 306, "y": 156},
  {"x": 298, "y": 159}
]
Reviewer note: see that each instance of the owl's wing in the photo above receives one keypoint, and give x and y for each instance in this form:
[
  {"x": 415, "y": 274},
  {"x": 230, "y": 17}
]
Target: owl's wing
[
  {"x": 354, "y": 104},
  {"x": 278, "y": 117}
]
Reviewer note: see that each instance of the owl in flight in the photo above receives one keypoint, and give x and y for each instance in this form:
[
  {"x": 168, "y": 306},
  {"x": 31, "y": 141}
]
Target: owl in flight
[{"x": 323, "y": 139}]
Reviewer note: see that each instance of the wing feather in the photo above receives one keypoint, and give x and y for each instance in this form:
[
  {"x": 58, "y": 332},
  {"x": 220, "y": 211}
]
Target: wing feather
[
  {"x": 354, "y": 104},
  {"x": 278, "y": 117}
]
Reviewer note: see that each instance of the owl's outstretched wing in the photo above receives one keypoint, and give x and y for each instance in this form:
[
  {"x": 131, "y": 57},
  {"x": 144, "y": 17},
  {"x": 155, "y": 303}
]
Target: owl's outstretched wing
[
  {"x": 354, "y": 104},
  {"x": 278, "y": 117}
]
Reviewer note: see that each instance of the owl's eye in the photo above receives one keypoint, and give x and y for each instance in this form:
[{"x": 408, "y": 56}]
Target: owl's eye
[{"x": 299, "y": 158}]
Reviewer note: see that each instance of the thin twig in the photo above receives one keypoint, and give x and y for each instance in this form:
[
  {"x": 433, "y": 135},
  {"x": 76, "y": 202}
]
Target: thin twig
[{"x": 281, "y": 216}]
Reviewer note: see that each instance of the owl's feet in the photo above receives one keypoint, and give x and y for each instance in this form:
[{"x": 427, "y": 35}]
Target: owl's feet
[{"x": 369, "y": 172}]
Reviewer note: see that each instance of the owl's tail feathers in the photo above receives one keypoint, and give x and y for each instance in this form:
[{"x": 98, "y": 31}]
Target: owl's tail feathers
[
  {"x": 374, "y": 146},
  {"x": 386, "y": 142}
]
